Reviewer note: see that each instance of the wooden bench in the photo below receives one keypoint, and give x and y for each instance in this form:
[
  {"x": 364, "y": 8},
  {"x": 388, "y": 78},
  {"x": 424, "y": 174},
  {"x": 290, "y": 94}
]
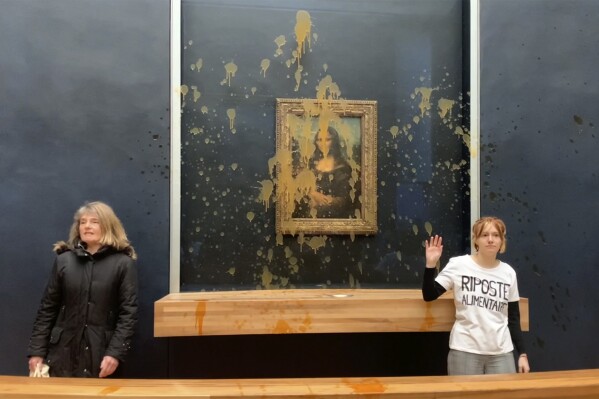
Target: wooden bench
[
  {"x": 573, "y": 384},
  {"x": 305, "y": 311}
]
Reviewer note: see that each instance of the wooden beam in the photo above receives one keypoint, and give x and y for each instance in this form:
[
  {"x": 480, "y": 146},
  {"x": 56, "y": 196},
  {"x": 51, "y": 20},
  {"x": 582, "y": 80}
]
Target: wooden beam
[
  {"x": 304, "y": 311},
  {"x": 572, "y": 384}
]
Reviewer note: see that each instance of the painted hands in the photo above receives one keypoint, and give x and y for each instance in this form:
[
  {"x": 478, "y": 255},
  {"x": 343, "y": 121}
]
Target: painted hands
[{"x": 319, "y": 199}]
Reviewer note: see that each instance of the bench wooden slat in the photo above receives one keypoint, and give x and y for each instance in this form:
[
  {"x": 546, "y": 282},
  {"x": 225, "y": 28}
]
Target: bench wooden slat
[
  {"x": 305, "y": 311},
  {"x": 572, "y": 384}
]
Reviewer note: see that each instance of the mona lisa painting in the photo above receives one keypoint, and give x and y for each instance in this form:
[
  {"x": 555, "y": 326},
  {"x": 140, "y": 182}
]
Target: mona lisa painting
[{"x": 326, "y": 166}]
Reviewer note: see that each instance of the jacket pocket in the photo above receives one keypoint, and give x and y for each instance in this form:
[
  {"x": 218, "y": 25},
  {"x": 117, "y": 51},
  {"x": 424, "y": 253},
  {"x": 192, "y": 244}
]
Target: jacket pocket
[{"x": 55, "y": 335}]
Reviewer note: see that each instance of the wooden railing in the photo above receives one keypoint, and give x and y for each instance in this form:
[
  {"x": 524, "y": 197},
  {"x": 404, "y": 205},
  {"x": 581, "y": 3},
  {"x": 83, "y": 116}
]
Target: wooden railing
[
  {"x": 571, "y": 384},
  {"x": 305, "y": 311}
]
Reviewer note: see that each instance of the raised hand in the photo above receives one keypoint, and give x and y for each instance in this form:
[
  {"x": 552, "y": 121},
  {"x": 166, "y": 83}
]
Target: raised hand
[{"x": 434, "y": 249}]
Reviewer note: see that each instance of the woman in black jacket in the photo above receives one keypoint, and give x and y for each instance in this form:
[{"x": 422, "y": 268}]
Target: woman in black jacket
[{"x": 88, "y": 312}]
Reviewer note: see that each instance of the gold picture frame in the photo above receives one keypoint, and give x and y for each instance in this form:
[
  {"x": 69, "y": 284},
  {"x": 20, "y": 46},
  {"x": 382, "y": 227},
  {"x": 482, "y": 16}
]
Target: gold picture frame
[{"x": 326, "y": 166}]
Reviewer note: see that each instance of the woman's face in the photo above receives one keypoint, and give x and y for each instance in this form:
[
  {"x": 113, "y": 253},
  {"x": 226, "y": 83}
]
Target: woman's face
[
  {"x": 90, "y": 230},
  {"x": 324, "y": 141},
  {"x": 489, "y": 241}
]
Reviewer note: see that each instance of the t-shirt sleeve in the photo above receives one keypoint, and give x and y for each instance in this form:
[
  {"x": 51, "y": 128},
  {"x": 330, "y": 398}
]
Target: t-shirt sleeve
[{"x": 446, "y": 276}]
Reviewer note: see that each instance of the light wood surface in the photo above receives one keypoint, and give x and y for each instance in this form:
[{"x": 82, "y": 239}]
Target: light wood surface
[
  {"x": 305, "y": 311},
  {"x": 573, "y": 384}
]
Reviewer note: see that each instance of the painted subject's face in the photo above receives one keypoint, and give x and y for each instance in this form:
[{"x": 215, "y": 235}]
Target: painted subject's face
[{"x": 324, "y": 140}]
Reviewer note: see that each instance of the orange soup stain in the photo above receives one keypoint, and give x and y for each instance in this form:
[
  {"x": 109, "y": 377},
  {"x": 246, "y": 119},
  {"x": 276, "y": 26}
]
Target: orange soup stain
[
  {"x": 282, "y": 327},
  {"x": 429, "y": 319},
  {"x": 108, "y": 390},
  {"x": 307, "y": 324},
  {"x": 200, "y": 313},
  {"x": 366, "y": 385}
]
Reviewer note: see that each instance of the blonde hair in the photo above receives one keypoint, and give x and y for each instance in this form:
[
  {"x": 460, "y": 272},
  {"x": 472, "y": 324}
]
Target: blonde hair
[
  {"x": 479, "y": 226},
  {"x": 113, "y": 232}
]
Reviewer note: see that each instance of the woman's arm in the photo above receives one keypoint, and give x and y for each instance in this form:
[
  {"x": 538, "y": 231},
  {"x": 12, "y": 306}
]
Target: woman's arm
[
  {"x": 46, "y": 316},
  {"x": 431, "y": 290},
  {"x": 120, "y": 343},
  {"x": 513, "y": 314}
]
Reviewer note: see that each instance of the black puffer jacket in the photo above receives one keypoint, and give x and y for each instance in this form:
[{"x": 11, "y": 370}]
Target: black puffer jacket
[{"x": 88, "y": 311}]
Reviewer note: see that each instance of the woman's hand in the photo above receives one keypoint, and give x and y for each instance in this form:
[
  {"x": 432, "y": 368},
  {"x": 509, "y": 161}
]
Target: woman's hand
[
  {"x": 434, "y": 249},
  {"x": 523, "y": 366},
  {"x": 108, "y": 366},
  {"x": 34, "y": 361}
]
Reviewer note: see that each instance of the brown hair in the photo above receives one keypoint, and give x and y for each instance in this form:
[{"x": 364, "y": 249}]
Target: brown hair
[
  {"x": 113, "y": 232},
  {"x": 480, "y": 224}
]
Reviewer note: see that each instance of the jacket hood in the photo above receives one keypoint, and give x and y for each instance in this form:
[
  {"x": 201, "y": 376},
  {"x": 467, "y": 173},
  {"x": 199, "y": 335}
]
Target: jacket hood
[{"x": 63, "y": 246}]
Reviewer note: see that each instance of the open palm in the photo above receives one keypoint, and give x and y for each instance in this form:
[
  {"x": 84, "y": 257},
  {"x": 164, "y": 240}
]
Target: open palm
[{"x": 434, "y": 249}]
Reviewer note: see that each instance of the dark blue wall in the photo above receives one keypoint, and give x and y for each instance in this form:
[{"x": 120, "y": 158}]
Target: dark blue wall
[
  {"x": 84, "y": 115},
  {"x": 539, "y": 87}
]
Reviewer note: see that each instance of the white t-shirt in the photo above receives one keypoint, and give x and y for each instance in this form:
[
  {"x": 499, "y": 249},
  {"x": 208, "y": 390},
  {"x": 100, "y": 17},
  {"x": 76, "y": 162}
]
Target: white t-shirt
[{"x": 481, "y": 302}]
